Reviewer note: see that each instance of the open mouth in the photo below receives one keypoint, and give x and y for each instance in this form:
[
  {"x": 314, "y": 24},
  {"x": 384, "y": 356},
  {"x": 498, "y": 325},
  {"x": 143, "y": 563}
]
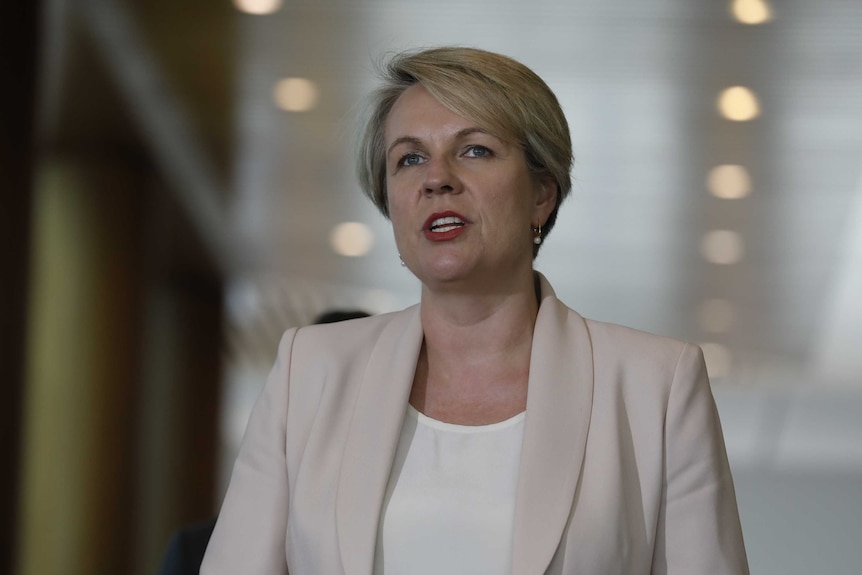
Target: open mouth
[{"x": 446, "y": 224}]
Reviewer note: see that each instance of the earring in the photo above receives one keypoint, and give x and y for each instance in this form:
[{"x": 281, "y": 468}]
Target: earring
[
  {"x": 537, "y": 235},
  {"x": 403, "y": 265}
]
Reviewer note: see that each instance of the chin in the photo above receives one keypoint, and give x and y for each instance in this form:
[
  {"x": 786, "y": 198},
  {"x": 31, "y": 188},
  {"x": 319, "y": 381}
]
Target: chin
[{"x": 444, "y": 271}]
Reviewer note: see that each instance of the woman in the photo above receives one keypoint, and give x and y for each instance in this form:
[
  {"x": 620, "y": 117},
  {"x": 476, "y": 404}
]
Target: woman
[{"x": 490, "y": 429}]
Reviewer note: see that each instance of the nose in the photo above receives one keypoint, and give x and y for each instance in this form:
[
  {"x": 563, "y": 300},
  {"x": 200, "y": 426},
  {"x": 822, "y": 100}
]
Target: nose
[{"x": 440, "y": 178}]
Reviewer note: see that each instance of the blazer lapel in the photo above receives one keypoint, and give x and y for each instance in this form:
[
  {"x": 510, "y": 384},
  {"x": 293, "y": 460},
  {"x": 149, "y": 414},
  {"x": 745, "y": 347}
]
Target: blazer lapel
[
  {"x": 373, "y": 437},
  {"x": 559, "y": 403}
]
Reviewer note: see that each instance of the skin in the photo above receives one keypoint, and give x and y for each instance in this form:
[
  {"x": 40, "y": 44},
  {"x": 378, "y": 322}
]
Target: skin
[{"x": 478, "y": 302}]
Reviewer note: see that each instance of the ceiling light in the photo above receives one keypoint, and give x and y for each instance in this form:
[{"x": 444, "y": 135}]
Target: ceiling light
[
  {"x": 257, "y": 6},
  {"x": 718, "y": 360},
  {"x": 751, "y": 11},
  {"x": 351, "y": 239},
  {"x": 716, "y": 315},
  {"x": 296, "y": 94},
  {"x": 729, "y": 182},
  {"x": 738, "y": 103},
  {"x": 722, "y": 247}
]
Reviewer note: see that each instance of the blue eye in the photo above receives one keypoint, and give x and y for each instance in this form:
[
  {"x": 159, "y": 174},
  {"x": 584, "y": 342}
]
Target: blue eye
[
  {"x": 478, "y": 152},
  {"x": 410, "y": 160}
]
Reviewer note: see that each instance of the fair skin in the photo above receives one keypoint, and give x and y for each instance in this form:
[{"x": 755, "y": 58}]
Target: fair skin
[{"x": 462, "y": 204}]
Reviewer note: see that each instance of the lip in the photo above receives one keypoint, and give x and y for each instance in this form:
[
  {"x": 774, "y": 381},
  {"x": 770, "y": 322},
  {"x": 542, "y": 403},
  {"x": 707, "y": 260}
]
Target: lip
[{"x": 447, "y": 235}]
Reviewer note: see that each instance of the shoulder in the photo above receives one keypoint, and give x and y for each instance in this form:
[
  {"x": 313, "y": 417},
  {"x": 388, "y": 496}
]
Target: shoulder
[
  {"x": 608, "y": 342},
  {"x": 643, "y": 370},
  {"x": 343, "y": 336},
  {"x": 346, "y": 343},
  {"x": 618, "y": 341},
  {"x": 322, "y": 367},
  {"x": 617, "y": 351},
  {"x": 624, "y": 357}
]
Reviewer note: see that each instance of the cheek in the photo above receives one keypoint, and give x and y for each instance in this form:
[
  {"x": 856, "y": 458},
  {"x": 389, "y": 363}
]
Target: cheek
[
  {"x": 398, "y": 217},
  {"x": 514, "y": 202},
  {"x": 400, "y": 202},
  {"x": 394, "y": 194},
  {"x": 396, "y": 208}
]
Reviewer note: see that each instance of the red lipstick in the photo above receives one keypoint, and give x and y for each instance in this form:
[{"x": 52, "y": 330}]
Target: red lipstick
[{"x": 444, "y": 226}]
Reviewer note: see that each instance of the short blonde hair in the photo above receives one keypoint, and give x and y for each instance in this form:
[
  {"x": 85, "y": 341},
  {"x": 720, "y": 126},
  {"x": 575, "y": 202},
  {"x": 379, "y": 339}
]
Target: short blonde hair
[{"x": 500, "y": 94}]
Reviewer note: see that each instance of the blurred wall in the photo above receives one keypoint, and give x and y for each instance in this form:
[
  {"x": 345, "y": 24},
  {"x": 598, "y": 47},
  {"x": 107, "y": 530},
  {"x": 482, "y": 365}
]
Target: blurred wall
[
  {"x": 19, "y": 39},
  {"x": 118, "y": 416},
  {"x": 81, "y": 367},
  {"x": 122, "y": 373}
]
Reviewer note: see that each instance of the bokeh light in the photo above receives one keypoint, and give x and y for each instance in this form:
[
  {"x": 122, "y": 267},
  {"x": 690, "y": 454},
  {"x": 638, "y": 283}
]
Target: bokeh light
[
  {"x": 296, "y": 94},
  {"x": 739, "y": 104},
  {"x": 722, "y": 247},
  {"x": 716, "y": 315},
  {"x": 729, "y": 182},
  {"x": 751, "y": 11},
  {"x": 257, "y": 7},
  {"x": 351, "y": 239}
]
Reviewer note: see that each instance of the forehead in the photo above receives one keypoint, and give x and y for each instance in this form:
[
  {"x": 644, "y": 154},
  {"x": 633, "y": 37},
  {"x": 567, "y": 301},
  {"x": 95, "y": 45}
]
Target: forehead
[{"x": 416, "y": 113}]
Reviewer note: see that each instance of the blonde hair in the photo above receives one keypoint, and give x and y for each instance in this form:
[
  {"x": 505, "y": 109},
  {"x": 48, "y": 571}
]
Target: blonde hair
[{"x": 500, "y": 94}]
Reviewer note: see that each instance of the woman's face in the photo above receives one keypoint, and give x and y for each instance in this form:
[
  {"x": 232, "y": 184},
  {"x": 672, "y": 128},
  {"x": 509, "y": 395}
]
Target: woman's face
[{"x": 462, "y": 202}]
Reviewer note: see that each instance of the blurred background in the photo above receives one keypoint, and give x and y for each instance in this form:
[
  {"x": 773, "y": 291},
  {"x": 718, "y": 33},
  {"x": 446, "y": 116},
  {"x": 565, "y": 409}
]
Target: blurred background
[{"x": 178, "y": 189}]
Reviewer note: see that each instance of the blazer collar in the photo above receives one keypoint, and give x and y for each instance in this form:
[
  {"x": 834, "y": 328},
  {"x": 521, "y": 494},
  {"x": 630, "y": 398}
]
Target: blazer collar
[
  {"x": 373, "y": 438},
  {"x": 559, "y": 403}
]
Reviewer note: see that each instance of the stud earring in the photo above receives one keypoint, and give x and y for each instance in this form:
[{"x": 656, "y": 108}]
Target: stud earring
[
  {"x": 403, "y": 265},
  {"x": 537, "y": 235}
]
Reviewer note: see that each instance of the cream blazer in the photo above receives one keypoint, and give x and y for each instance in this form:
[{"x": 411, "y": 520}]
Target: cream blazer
[{"x": 623, "y": 465}]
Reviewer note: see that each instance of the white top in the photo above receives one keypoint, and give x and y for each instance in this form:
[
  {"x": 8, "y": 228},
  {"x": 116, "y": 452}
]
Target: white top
[{"x": 450, "y": 501}]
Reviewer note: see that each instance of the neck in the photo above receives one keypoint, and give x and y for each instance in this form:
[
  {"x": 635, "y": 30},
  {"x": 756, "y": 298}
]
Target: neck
[
  {"x": 502, "y": 315},
  {"x": 475, "y": 360}
]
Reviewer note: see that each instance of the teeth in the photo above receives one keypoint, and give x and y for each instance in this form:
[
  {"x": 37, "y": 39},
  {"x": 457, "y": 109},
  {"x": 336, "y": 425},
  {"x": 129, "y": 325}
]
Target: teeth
[{"x": 446, "y": 224}]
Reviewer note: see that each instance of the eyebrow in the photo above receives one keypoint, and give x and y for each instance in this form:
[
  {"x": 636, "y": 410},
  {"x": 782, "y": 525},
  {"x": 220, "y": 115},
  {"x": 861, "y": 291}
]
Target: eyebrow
[{"x": 463, "y": 133}]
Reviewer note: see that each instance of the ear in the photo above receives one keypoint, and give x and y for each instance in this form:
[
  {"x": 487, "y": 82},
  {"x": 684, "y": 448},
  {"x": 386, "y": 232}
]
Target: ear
[{"x": 546, "y": 199}]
